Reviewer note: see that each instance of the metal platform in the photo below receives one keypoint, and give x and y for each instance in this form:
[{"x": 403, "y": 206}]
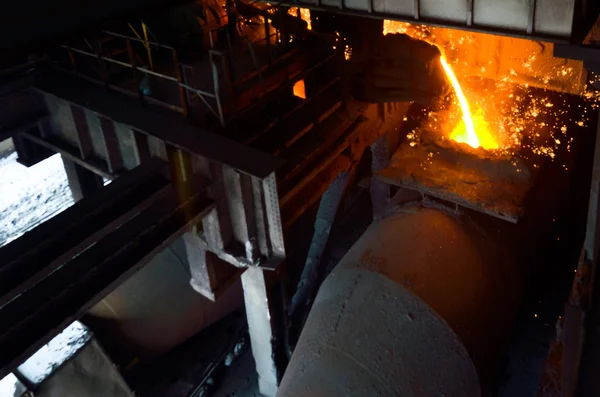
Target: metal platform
[{"x": 492, "y": 187}]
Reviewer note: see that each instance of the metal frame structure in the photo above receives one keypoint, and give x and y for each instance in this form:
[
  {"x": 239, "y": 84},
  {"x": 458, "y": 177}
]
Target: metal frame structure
[
  {"x": 548, "y": 20},
  {"x": 220, "y": 195},
  {"x": 136, "y": 134},
  {"x": 178, "y": 79},
  {"x": 85, "y": 252},
  {"x": 219, "y": 60},
  {"x": 111, "y": 134}
]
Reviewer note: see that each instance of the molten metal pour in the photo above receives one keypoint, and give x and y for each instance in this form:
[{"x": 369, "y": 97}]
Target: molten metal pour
[{"x": 473, "y": 131}]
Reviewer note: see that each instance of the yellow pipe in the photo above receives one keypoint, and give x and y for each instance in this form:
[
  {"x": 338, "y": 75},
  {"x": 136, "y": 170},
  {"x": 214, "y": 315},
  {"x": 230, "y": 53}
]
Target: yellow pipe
[
  {"x": 145, "y": 30},
  {"x": 145, "y": 40}
]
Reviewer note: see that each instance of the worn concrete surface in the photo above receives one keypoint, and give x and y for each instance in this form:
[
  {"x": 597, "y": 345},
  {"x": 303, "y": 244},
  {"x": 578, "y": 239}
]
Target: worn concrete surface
[{"x": 338, "y": 355}]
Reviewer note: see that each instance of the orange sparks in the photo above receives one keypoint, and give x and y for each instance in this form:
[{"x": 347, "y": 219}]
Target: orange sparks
[{"x": 473, "y": 131}]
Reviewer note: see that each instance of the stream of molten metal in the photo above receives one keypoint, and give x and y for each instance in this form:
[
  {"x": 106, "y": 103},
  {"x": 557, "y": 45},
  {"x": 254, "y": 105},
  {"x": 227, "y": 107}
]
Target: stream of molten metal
[
  {"x": 473, "y": 130},
  {"x": 470, "y": 136}
]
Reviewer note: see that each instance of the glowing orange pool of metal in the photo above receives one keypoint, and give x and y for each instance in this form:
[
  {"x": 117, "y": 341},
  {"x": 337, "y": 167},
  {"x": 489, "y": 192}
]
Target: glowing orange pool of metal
[{"x": 473, "y": 130}]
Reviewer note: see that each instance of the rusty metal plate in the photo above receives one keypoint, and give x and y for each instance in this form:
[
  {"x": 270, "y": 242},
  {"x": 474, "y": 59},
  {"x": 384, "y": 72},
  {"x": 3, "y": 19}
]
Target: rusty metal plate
[{"x": 494, "y": 187}]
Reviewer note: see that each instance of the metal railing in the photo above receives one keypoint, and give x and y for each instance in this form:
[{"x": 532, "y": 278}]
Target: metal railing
[
  {"x": 220, "y": 61},
  {"x": 177, "y": 78}
]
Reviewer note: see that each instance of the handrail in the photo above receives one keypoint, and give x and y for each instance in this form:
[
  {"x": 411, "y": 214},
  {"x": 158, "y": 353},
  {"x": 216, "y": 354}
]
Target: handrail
[
  {"x": 142, "y": 69},
  {"x": 200, "y": 93},
  {"x": 179, "y": 78},
  {"x": 122, "y": 36}
]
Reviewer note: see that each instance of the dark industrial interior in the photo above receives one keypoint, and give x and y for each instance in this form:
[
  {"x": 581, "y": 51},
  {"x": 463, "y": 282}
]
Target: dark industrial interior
[{"x": 305, "y": 198}]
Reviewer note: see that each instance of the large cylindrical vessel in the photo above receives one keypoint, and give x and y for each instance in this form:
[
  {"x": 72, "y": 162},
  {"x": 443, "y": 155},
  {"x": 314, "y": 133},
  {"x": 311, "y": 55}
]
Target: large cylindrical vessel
[{"x": 421, "y": 305}]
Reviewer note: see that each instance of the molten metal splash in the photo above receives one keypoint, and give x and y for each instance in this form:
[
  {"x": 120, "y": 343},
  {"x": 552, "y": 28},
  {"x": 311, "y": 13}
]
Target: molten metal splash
[
  {"x": 470, "y": 137},
  {"x": 473, "y": 131}
]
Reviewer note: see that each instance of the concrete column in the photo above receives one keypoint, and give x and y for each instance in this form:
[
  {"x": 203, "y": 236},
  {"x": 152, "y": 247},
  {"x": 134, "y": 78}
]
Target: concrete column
[
  {"x": 262, "y": 336},
  {"x": 82, "y": 182}
]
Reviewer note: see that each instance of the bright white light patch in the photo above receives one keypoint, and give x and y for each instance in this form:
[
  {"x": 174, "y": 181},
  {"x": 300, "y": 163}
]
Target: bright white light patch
[{"x": 30, "y": 196}]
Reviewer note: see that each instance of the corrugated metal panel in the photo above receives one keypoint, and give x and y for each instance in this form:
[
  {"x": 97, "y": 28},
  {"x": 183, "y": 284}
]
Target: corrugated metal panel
[{"x": 535, "y": 18}]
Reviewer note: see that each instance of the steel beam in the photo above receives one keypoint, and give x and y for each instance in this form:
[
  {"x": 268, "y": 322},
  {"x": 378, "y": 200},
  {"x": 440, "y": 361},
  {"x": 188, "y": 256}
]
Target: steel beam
[
  {"x": 8, "y": 131},
  {"x": 245, "y": 229},
  {"x": 54, "y": 144},
  {"x": 114, "y": 157},
  {"x": 586, "y": 53},
  {"x": 84, "y": 140},
  {"x": 46, "y": 246},
  {"x": 548, "y": 21},
  {"x": 113, "y": 131},
  {"x": 84, "y": 253},
  {"x": 159, "y": 123}
]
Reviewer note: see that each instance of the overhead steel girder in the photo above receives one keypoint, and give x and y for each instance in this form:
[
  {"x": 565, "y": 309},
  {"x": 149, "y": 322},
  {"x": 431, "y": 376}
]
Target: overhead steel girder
[
  {"x": 55, "y": 273},
  {"x": 109, "y": 133},
  {"x": 550, "y": 20},
  {"x": 160, "y": 123}
]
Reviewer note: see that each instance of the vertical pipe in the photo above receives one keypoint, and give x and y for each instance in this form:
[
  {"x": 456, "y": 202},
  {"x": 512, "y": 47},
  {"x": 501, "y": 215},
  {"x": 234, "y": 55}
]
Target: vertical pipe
[{"x": 147, "y": 44}]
